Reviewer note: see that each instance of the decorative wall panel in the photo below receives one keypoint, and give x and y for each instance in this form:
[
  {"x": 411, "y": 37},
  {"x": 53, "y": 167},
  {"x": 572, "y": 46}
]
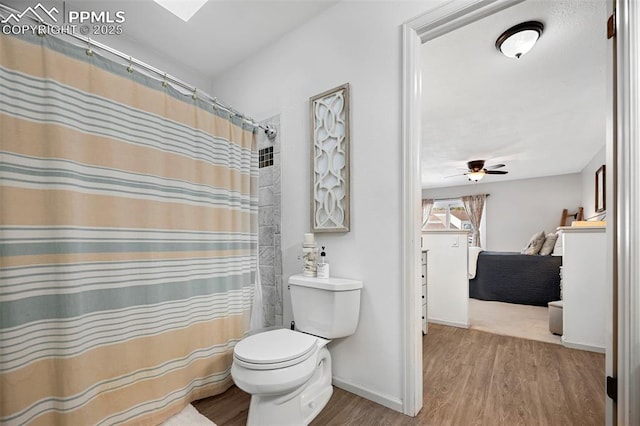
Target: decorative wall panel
[{"x": 330, "y": 197}]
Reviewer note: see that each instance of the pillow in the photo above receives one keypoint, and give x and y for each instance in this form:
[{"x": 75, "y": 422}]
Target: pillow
[
  {"x": 549, "y": 244},
  {"x": 557, "y": 249},
  {"x": 535, "y": 243}
]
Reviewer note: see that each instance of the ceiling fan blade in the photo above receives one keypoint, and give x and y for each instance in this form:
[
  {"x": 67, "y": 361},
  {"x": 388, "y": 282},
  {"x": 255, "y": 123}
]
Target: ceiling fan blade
[
  {"x": 496, "y": 172},
  {"x": 495, "y": 166},
  {"x": 462, "y": 174}
]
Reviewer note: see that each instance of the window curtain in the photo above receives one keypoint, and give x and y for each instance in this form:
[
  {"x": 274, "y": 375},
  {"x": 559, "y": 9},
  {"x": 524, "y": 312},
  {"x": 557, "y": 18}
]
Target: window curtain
[
  {"x": 474, "y": 205},
  {"x": 128, "y": 233},
  {"x": 427, "y": 205}
]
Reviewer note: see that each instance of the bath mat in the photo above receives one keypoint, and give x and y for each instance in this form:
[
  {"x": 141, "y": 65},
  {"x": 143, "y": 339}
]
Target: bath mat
[{"x": 188, "y": 417}]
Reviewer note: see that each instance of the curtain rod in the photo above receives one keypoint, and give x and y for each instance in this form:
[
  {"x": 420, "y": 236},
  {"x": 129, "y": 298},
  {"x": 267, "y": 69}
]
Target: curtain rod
[
  {"x": 270, "y": 131},
  {"x": 454, "y": 198}
]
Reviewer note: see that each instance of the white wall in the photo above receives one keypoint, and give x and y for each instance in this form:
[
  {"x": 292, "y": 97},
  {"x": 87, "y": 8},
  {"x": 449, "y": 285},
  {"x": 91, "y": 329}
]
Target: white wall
[
  {"x": 155, "y": 59},
  {"x": 588, "y": 177},
  {"x": 359, "y": 43},
  {"x": 517, "y": 209}
]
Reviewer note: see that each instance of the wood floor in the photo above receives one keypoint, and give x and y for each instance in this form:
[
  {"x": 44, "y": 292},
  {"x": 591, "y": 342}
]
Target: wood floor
[{"x": 470, "y": 378}]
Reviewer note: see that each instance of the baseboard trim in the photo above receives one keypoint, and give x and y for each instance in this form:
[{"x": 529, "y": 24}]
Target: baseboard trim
[
  {"x": 450, "y": 323},
  {"x": 385, "y": 400},
  {"x": 582, "y": 347}
]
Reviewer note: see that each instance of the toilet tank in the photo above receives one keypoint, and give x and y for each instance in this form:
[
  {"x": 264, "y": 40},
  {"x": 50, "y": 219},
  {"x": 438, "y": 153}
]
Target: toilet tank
[{"x": 325, "y": 307}]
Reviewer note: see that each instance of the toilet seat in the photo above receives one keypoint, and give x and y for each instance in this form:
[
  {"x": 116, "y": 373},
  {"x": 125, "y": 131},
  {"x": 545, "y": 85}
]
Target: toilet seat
[{"x": 274, "y": 349}]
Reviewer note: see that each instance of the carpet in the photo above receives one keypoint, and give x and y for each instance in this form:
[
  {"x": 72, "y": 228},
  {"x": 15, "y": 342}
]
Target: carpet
[
  {"x": 508, "y": 319},
  {"x": 188, "y": 417}
]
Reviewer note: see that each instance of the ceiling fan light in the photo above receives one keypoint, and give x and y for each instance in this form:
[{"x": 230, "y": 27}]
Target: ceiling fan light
[
  {"x": 475, "y": 176},
  {"x": 520, "y": 39}
]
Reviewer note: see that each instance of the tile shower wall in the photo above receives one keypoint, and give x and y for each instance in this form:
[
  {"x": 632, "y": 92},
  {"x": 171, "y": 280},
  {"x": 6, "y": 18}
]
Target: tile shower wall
[{"x": 269, "y": 214}]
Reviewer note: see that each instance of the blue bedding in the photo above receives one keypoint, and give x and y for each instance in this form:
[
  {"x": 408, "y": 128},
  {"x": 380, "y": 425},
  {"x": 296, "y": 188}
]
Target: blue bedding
[{"x": 516, "y": 278}]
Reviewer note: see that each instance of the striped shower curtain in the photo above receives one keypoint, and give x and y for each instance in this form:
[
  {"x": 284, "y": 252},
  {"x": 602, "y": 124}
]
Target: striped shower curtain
[{"x": 128, "y": 231}]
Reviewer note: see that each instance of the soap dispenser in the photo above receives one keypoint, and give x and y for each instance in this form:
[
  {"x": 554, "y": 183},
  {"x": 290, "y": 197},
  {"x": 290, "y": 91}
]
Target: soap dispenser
[{"x": 323, "y": 265}]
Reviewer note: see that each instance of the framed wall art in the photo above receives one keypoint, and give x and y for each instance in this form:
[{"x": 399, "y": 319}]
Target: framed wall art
[{"x": 330, "y": 198}]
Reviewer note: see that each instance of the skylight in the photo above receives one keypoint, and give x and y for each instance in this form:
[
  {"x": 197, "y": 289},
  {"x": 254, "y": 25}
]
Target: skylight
[{"x": 183, "y": 9}]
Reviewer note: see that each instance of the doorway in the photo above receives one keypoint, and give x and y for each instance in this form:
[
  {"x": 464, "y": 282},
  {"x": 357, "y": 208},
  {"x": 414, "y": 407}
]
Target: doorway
[
  {"x": 445, "y": 19},
  {"x": 537, "y": 125}
]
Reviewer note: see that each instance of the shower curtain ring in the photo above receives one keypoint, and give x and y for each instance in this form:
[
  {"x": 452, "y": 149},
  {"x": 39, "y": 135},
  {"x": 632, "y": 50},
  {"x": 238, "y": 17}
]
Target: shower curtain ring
[
  {"x": 164, "y": 80},
  {"x": 194, "y": 96},
  {"x": 130, "y": 67},
  {"x": 89, "y": 52}
]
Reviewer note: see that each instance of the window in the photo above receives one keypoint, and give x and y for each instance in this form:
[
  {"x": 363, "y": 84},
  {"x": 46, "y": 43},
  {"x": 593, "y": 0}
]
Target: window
[{"x": 450, "y": 214}]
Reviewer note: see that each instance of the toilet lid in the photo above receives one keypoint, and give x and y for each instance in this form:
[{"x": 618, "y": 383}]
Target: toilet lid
[{"x": 275, "y": 346}]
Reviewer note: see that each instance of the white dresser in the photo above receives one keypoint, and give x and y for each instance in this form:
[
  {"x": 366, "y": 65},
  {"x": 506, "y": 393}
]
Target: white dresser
[
  {"x": 423, "y": 273},
  {"x": 584, "y": 287}
]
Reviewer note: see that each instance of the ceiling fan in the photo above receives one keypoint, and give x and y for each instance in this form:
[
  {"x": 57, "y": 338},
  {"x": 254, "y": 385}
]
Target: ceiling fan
[{"x": 477, "y": 170}]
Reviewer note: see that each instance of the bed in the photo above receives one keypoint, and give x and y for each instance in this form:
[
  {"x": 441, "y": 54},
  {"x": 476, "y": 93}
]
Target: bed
[{"x": 516, "y": 278}]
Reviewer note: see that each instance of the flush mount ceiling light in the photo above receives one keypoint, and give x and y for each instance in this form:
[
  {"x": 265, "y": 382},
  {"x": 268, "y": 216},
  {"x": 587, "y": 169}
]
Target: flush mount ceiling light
[
  {"x": 518, "y": 40},
  {"x": 183, "y": 9}
]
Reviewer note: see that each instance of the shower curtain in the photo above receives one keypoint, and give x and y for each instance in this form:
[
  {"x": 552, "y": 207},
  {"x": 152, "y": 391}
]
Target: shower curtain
[{"x": 128, "y": 233}]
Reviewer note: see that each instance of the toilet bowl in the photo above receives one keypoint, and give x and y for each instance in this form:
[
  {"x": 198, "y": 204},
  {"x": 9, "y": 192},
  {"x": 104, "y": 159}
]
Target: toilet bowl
[{"x": 288, "y": 374}]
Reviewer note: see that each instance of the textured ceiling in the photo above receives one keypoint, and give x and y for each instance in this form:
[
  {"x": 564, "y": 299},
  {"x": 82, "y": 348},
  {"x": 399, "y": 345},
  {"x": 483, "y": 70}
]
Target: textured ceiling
[{"x": 541, "y": 115}]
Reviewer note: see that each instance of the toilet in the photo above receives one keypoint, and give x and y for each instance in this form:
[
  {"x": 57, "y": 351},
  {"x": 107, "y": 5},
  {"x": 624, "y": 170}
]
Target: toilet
[{"x": 288, "y": 372}]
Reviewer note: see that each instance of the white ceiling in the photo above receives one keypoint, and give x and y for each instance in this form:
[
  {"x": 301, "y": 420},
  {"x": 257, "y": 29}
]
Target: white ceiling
[
  {"x": 220, "y": 35},
  {"x": 541, "y": 115}
]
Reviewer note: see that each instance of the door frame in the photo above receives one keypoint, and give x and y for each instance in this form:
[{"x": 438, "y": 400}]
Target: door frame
[
  {"x": 627, "y": 192},
  {"x": 457, "y": 13}
]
